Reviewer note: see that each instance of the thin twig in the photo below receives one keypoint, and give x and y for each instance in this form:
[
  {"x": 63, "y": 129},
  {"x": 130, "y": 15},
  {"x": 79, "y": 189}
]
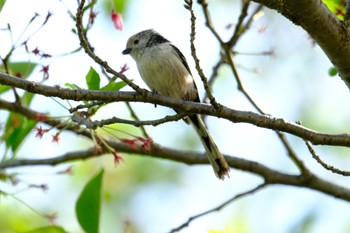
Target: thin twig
[
  {"x": 213, "y": 102},
  {"x": 137, "y": 123},
  {"x": 213, "y": 77},
  {"x": 226, "y": 48},
  {"x": 240, "y": 27},
  {"x": 33, "y": 115},
  {"x": 87, "y": 47},
  {"x": 88, "y": 105},
  {"x": 208, "y": 21},
  {"x": 228, "y": 54},
  {"x": 292, "y": 155},
  {"x": 240, "y": 85},
  {"x": 219, "y": 207},
  {"x": 324, "y": 164},
  {"x": 137, "y": 119}
]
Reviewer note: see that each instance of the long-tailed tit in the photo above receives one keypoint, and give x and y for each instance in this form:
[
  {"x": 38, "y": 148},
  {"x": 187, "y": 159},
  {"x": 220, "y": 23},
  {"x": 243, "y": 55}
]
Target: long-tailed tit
[{"x": 165, "y": 70}]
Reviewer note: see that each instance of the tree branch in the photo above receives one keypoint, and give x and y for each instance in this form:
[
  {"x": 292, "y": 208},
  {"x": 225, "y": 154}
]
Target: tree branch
[
  {"x": 307, "y": 180},
  {"x": 33, "y": 115},
  {"x": 200, "y": 72},
  {"x": 87, "y": 47},
  {"x": 219, "y": 207},
  {"x": 264, "y": 121},
  {"x": 323, "y": 26},
  {"x": 269, "y": 175},
  {"x": 137, "y": 119},
  {"x": 137, "y": 123},
  {"x": 323, "y": 164},
  {"x": 227, "y": 48}
]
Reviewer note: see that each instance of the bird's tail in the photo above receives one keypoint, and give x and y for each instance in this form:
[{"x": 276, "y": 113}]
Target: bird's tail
[{"x": 215, "y": 157}]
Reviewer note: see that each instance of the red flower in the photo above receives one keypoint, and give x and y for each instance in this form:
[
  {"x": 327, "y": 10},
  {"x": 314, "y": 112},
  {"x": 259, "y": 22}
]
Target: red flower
[
  {"x": 40, "y": 117},
  {"x": 45, "y": 70},
  {"x": 117, "y": 20},
  {"x": 18, "y": 75},
  {"x": 123, "y": 68},
  {"x": 56, "y": 138},
  {"x": 36, "y": 51},
  {"x": 40, "y": 131},
  {"x": 92, "y": 16},
  {"x": 117, "y": 158},
  {"x": 146, "y": 143},
  {"x": 130, "y": 142}
]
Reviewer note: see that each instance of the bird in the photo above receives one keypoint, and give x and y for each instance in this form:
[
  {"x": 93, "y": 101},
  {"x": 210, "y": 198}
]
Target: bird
[{"x": 165, "y": 70}]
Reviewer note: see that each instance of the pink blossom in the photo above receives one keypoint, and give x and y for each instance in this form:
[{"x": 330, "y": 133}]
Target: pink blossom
[
  {"x": 117, "y": 158},
  {"x": 56, "y": 138},
  {"x": 40, "y": 117},
  {"x": 40, "y": 132},
  {"x": 146, "y": 143},
  {"x": 123, "y": 68},
  {"x": 117, "y": 20},
  {"x": 131, "y": 143}
]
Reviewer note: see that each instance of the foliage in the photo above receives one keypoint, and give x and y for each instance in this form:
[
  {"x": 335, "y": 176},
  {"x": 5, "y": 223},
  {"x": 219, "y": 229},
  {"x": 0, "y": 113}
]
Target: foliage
[
  {"x": 88, "y": 204},
  {"x": 48, "y": 229},
  {"x": 17, "y": 126},
  {"x": 337, "y": 7}
]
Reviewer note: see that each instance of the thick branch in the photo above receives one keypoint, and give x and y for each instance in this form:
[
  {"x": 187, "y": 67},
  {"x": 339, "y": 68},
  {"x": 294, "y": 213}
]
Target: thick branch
[
  {"x": 236, "y": 116},
  {"x": 270, "y": 176},
  {"x": 322, "y": 25}
]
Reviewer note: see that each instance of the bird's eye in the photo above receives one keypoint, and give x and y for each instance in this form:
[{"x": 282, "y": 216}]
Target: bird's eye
[{"x": 136, "y": 41}]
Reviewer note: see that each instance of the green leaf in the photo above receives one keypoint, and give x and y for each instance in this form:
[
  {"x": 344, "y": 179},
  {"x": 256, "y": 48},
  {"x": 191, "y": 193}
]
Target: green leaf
[
  {"x": 93, "y": 80},
  {"x": 113, "y": 86},
  {"x": 16, "y": 130},
  {"x": 48, "y": 229},
  {"x": 21, "y": 69},
  {"x": 337, "y": 7},
  {"x": 119, "y": 5},
  {"x": 72, "y": 86},
  {"x": 4, "y": 88},
  {"x": 88, "y": 204},
  {"x": 2, "y": 3},
  {"x": 18, "y": 126},
  {"x": 27, "y": 98}
]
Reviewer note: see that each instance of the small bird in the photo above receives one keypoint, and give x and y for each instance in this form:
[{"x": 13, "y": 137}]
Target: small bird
[{"x": 164, "y": 69}]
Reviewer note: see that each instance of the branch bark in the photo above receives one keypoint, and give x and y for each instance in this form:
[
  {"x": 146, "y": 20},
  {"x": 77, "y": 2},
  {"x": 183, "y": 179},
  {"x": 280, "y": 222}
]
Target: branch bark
[
  {"x": 269, "y": 175},
  {"x": 236, "y": 116}
]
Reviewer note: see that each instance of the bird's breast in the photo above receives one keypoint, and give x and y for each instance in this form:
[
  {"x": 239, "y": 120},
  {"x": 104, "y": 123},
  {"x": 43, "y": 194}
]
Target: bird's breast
[{"x": 168, "y": 76}]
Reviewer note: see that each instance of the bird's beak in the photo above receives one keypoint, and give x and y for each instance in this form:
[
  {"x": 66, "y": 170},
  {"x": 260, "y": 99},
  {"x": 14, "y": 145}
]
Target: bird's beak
[{"x": 126, "y": 51}]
